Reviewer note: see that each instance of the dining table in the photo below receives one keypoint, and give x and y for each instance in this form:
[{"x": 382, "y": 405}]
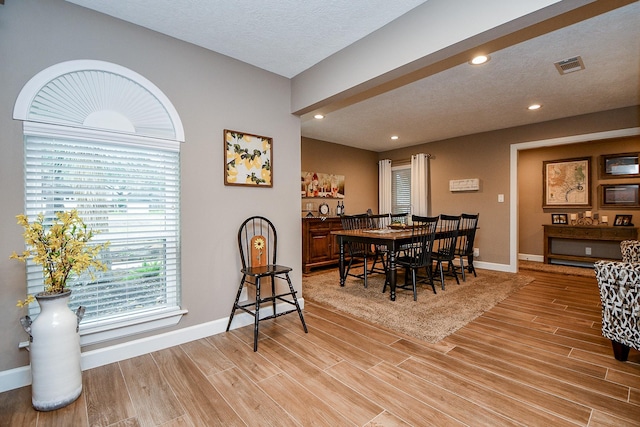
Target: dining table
[{"x": 393, "y": 238}]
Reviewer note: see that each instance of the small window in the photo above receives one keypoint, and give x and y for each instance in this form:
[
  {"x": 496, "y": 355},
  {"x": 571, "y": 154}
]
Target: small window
[{"x": 401, "y": 189}]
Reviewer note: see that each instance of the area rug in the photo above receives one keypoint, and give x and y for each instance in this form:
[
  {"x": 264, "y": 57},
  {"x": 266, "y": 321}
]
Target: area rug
[{"x": 431, "y": 318}]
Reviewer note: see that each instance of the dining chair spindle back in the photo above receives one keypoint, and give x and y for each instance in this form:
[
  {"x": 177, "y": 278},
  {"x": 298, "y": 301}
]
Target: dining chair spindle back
[
  {"x": 444, "y": 252},
  {"x": 417, "y": 254}
]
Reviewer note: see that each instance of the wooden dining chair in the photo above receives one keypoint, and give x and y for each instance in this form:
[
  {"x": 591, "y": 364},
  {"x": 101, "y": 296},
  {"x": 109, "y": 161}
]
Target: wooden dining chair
[
  {"x": 464, "y": 245},
  {"x": 357, "y": 251},
  {"x": 258, "y": 244},
  {"x": 417, "y": 255},
  {"x": 444, "y": 252},
  {"x": 379, "y": 222}
]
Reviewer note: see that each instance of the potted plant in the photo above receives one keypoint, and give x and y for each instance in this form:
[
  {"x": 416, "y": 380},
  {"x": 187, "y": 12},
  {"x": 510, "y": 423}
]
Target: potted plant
[{"x": 62, "y": 249}]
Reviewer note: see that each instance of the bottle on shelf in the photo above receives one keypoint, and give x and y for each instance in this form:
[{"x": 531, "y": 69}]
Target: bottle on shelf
[{"x": 338, "y": 209}]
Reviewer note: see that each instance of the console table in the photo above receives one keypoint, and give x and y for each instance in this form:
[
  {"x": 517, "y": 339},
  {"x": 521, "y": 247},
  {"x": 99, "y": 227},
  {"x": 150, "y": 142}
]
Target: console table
[{"x": 583, "y": 234}]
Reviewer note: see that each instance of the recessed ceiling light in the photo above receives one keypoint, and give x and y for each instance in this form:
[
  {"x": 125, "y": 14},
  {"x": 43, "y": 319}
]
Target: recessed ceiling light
[
  {"x": 318, "y": 116},
  {"x": 480, "y": 59},
  {"x": 534, "y": 107},
  {"x": 394, "y": 137}
]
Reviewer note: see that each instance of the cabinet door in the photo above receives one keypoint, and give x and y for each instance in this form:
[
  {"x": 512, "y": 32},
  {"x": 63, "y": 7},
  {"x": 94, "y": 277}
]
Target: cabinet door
[{"x": 319, "y": 245}]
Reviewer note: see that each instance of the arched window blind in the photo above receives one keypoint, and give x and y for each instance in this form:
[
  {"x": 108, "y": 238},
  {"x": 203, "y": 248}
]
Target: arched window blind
[{"x": 105, "y": 141}]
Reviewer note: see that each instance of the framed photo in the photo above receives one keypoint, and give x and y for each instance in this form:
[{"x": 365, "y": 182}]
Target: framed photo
[
  {"x": 625, "y": 165},
  {"x": 622, "y": 220},
  {"x": 248, "y": 159},
  {"x": 566, "y": 183},
  {"x": 559, "y": 219},
  {"x": 622, "y": 196}
]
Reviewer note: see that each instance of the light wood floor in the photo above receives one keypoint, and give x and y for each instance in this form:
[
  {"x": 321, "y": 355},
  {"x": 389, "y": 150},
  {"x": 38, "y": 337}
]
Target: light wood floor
[{"x": 536, "y": 359}]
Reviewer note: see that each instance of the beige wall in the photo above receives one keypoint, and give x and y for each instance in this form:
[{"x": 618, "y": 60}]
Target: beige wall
[
  {"x": 532, "y": 216},
  {"x": 360, "y": 168},
  {"x": 486, "y": 156},
  {"x": 211, "y": 92}
]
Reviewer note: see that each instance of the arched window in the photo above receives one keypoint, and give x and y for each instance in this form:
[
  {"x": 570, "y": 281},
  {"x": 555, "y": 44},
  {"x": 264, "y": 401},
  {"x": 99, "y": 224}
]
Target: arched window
[{"x": 104, "y": 140}]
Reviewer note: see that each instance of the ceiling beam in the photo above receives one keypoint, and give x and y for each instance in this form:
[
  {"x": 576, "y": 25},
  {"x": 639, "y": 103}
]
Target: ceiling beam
[{"x": 510, "y": 33}]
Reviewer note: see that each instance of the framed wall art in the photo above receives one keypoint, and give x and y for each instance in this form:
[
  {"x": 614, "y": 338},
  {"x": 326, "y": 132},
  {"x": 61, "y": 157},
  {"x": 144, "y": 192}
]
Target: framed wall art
[
  {"x": 620, "y": 196},
  {"x": 317, "y": 184},
  {"x": 566, "y": 183},
  {"x": 625, "y": 165},
  {"x": 248, "y": 159}
]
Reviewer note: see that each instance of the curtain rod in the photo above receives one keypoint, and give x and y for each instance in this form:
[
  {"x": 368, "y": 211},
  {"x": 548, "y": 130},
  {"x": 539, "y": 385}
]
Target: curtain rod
[{"x": 401, "y": 162}]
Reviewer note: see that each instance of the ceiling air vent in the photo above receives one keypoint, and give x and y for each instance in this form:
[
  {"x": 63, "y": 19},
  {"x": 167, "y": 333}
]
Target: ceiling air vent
[{"x": 570, "y": 65}]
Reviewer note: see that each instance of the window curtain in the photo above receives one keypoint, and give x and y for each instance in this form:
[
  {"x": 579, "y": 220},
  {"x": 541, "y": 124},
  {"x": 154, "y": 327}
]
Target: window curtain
[
  {"x": 420, "y": 184},
  {"x": 384, "y": 186}
]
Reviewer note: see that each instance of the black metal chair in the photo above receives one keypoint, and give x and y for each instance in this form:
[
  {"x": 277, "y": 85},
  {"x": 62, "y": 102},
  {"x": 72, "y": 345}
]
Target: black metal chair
[
  {"x": 258, "y": 244},
  {"x": 357, "y": 250},
  {"x": 464, "y": 245},
  {"x": 445, "y": 250},
  {"x": 417, "y": 255}
]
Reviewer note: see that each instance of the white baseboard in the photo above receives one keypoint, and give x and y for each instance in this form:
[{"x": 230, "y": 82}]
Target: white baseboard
[
  {"x": 493, "y": 266},
  {"x": 20, "y": 377},
  {"x": 529, "y": 257}
]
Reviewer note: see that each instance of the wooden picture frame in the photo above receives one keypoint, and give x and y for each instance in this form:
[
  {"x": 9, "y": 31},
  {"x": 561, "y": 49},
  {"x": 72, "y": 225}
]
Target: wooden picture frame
[
  {"x": 622, "y": 220},
  {"x": 248, "y": 159},
  {"x": 559, "y": 219},
  {"x": 566, "y": 183},
  {"x": 620, "y": 196},
  {"x": 623, "y": 165}
]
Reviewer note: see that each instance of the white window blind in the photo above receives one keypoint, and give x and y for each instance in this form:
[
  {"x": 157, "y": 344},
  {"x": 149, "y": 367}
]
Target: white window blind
[
  {"x": 401, "y": 189},
  {"x": 129, "y": 193}
]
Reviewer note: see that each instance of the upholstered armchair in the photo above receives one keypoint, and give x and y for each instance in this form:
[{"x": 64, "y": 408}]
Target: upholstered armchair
[
  {"x": 630, "y": 250},
  {"x": 619, "y": 284}
]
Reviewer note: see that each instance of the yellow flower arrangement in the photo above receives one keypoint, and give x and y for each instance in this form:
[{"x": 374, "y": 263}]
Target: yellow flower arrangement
[{"x": 61, "y": 249}]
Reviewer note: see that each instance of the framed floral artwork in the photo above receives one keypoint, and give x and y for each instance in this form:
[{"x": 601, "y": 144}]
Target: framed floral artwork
[{"x": 248, "y": 159}]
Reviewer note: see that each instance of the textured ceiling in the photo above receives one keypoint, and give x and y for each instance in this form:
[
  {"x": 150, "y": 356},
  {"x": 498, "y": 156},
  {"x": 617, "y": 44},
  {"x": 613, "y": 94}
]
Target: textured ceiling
[
  {"x": 289, "y": 36},
  {"x": 282, "y": 36},
  {"x": 469, "y": 99}
]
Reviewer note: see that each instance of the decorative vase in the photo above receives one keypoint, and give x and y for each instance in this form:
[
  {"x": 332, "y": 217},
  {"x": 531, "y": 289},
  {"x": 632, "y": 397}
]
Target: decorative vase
[{"x": 56, "y": 374}]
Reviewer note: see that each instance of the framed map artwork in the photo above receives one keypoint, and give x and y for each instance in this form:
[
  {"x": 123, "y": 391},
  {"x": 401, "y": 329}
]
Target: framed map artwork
[{"x": 566, "y": 183}]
